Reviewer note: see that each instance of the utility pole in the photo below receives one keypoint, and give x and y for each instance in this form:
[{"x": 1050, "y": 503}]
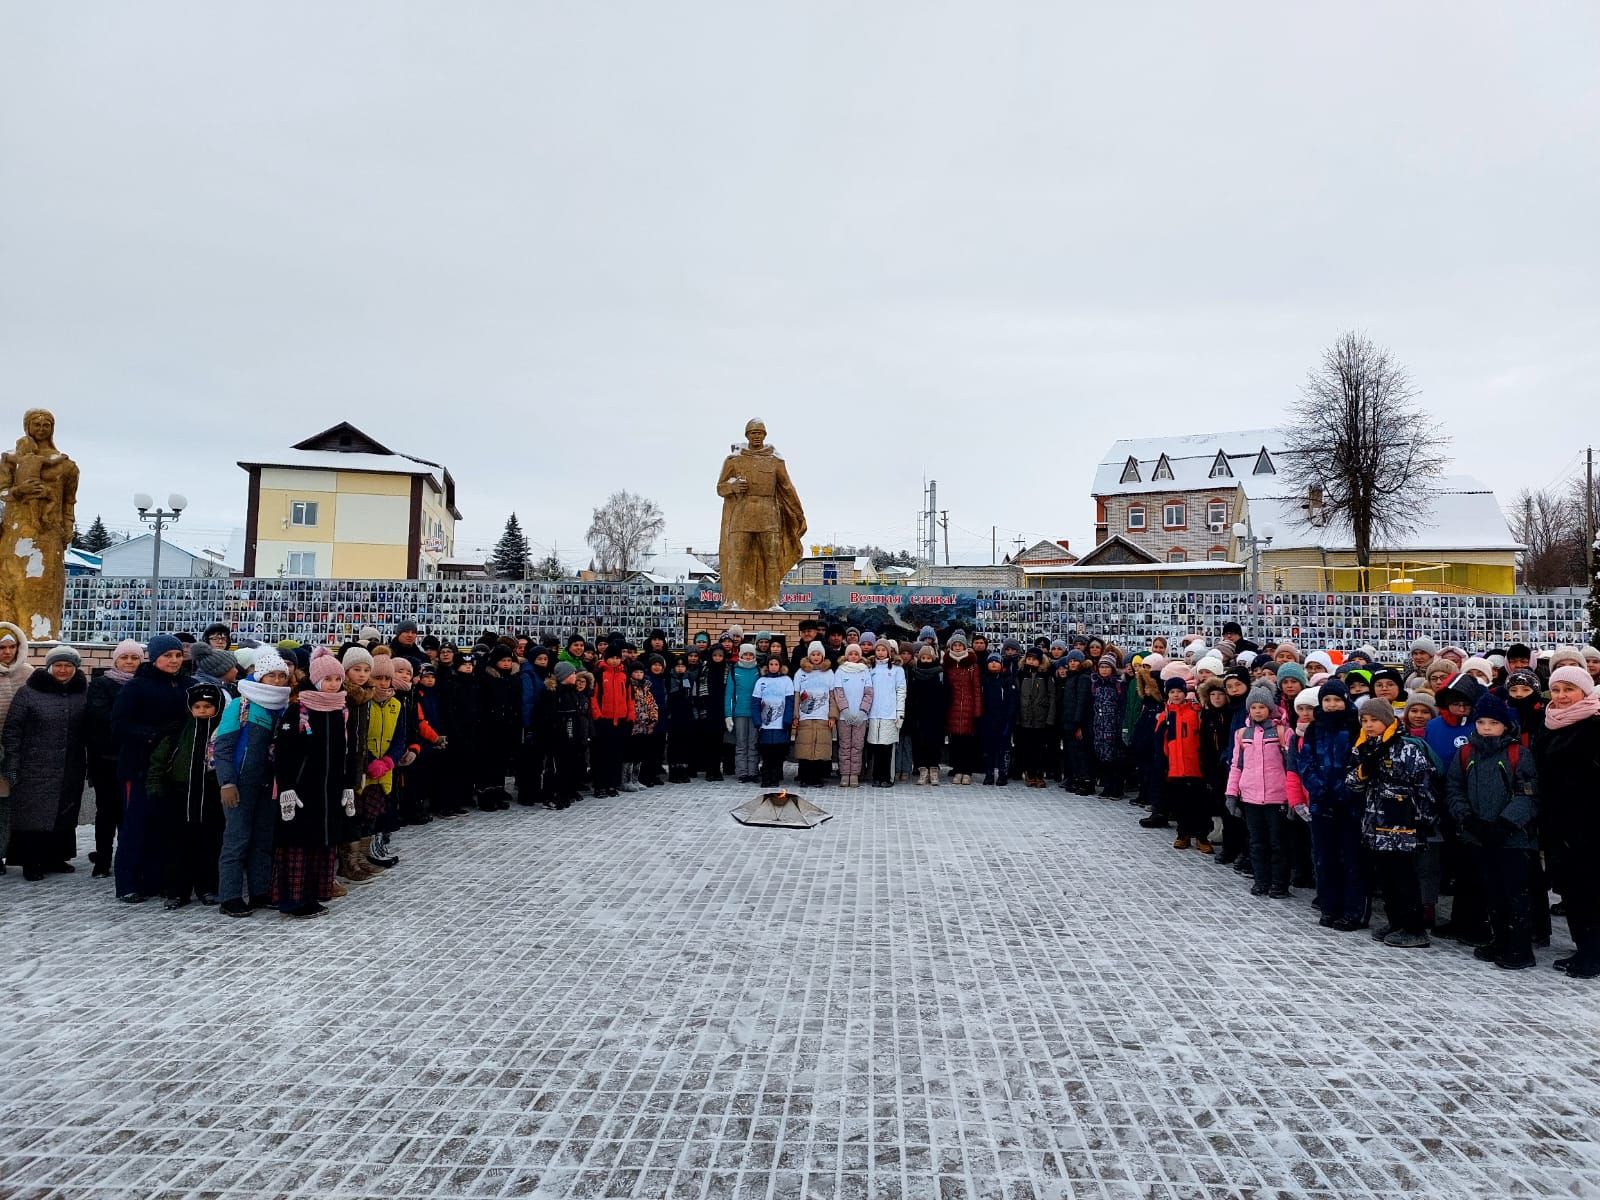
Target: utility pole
[
  {"x": 944, "y": 520},
  {"x": 992, "y": 546},
  {"x": 1588, "y": 506}
]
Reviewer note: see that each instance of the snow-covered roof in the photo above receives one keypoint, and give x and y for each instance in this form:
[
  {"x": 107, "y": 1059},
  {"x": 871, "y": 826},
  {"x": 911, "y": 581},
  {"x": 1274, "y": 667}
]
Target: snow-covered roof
[
  {"x": 229, "y": 553},
  {"x": 674, "y": 565},
  {"x": 1464, "y": 515},
  {"x": 82, "y": 559},
  {"x": 338, "y": 460},
  {"x": 1190, "y": 459}
]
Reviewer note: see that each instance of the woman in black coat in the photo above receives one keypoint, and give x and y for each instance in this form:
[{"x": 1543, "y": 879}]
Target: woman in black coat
[
  {"x": 45, "y": 762},
  {"x": 150, "y": 706},
  {"x": 926, "y": 704},
  {"x": 101, "y": 698},
  {"x": 1567, "y": 755}
]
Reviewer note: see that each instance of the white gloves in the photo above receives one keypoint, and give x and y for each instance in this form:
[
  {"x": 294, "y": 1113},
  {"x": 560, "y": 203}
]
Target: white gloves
[
  {"x": 1303, "y": 811},
  {"x": 349, "y": 801},
  {"x": 728, "y": 721},
  {"x": 1234, "y": 809},
  {"x": 287, "y": 803}
]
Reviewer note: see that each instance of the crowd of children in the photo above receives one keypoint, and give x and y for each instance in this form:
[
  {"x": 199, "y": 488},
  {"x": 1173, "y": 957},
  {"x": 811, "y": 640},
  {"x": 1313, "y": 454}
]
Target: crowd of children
[{"x": 278, "y": 776}]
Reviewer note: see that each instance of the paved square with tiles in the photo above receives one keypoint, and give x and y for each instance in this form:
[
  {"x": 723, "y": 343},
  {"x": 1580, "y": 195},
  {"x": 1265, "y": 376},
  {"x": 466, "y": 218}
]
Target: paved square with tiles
[{"x": 965, "y": 992}]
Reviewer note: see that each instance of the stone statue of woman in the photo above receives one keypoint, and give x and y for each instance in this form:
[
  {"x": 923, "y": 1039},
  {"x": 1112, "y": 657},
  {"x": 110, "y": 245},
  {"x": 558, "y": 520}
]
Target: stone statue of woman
[{"x": 39, "y": 486}]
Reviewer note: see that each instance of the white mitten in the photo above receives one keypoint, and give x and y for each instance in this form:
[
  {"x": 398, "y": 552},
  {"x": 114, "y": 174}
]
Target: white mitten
[
  {"x": 728, "y": 721},
  {"x": 287, "y": 803},
  {"x": 349, "y": 800}
]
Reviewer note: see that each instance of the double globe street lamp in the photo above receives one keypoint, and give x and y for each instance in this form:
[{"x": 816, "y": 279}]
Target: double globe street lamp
[{"x": 158, "y": 519}]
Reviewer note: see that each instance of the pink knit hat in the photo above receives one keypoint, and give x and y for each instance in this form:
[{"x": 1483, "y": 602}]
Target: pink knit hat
[
  {"x": 1576, "y": 676},
  {"x": 127, "y": 646},
  {"x": 324, "y": 664}
]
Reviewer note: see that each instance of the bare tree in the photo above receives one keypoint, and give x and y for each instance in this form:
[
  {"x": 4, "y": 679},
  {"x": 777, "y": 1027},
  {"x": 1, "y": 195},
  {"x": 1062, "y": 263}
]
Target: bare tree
[
  {"x": 1544, "y": 522},
  {"x": 623, "y": 528},
  {"x": 1359, "y": 448}
]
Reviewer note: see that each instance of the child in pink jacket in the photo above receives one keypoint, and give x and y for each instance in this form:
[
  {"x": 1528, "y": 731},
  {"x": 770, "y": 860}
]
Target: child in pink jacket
[{"x": 1258, "y": 790}]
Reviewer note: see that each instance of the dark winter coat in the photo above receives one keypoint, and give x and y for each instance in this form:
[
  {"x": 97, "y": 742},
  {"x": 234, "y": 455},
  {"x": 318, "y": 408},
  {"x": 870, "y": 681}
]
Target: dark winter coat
[
  {"x": 1569, "y": 773},
  {"x": 710, "y": 690},
  {"x": 1036, "y": 699},
  {"x": 1492, "y": 803},
  {"x": 45, "y": 754},
  {"x": 1105, "y": 717},
  {"x": 926, "y": 701},
  {"x": 151, "y": 705},
  {"x": 963, "y": 695},
  {"x": 1394, "y": 780},
  {"x": 1000, "y": 700},
  {"x": 317, "y": 763},
  {"x": 99, "y": 701},
  {"x": 1320, "y": 759},
  {"x": 499, "y": 707},
  {"x": 680, "y": 702},
  {"x": 180, "y": 779},
  {"x": 1075, "y": 704}
]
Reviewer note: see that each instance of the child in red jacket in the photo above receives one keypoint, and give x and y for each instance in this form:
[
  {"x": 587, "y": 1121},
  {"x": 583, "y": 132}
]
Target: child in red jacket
[{"x": 1178, "y": 736}]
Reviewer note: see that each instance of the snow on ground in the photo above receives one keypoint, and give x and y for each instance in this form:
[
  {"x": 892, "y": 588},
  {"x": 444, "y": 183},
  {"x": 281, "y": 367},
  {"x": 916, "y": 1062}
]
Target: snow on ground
[{"x": 955, "y": 993}]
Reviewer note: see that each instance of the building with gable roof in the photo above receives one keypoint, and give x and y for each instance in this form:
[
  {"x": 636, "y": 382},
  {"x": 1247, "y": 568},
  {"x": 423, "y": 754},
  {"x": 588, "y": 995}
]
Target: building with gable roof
[
  {"x": 1177, "y": 499},
  {"x": 341, "y": 505}
]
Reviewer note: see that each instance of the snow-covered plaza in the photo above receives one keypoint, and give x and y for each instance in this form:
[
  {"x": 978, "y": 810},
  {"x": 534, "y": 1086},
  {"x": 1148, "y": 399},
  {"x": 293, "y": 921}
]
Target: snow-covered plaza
[{"x": 967, "y": 992}]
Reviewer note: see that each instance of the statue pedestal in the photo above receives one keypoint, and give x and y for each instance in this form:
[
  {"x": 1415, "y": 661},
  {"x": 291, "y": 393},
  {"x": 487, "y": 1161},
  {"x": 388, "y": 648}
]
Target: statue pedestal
[{"x": 714, "y": 620}]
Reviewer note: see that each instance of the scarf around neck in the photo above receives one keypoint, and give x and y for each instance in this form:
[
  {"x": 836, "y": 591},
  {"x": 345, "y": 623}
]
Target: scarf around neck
[
  {"x": 317, "y": 701},
  {"x": 267, "y": 695},
  {"x": 1560, "y": 718}
]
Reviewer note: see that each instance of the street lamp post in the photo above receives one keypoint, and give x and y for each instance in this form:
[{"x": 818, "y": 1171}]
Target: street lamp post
[
  {"x": 158, "y": 519},
  {"x": 1242, "y": 533}
]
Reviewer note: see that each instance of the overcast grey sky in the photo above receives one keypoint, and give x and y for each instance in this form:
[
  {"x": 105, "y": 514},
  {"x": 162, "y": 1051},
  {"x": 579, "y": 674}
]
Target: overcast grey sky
[{"x": 565, "y": 248}]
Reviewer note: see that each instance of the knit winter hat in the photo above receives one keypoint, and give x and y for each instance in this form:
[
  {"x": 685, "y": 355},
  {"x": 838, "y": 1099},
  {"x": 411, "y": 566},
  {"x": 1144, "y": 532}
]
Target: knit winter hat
[
  {"x": 1482, "y": 665},
  {"x": 926, "y": 634},
  {"x": 1177, "y": 670},
  {"x": 1425, "y": 644},
  {"x": 1244, "y": 658},
  {"x": 1290, "y": 646},
  {"x": 355, "y": 656},
  {"x": 1309, "y": 698},
  {"x": 1262, "y": 694},
  {"x": 1057, "y": 648},
  {"x": 1567, "y": 654},
  {"x": 213, "y": 661},
  {"x": 1372, "y": 706},
  {"x": 994, "y": 657},
  {"x": 204, "y": 693},
  {"x": 869, "y": 639},
  {"x": 565, "y": 671},
  {"x": 1293, "y": 671},
  {"x": 1074, "y": 656},
  {"x": 1526, "y": 678},
  {"x": 127, "y": 646},
  {"x": 1011, "y": 643},
  {"x": 382, "y": 667},
  {"x": 1425, "y": 699},
  {"x": 1320, "y": 658},
  {"x": 61, "y": 652},
  {"x": 1576, "y": 676},
  {"x": 1491, "y": 706},
  {"x": 324, "y": 664},
  {"x": 1591, "y": 654},
  {"x": 245, "y": 656},
  {"x": 368, "y": 633},
  {"x": 267, "y": 661},
  {"x": 163, "y": 643},
  {"x": 406, "y": 626},
  {"x": 1110, "y": 656},
  {"x": 956, "y": 636},
  {"x": 815, "y": 648},
  {"x": 1156, "y": 662},
  {"x": 1211, "y": 663},
  {"x": 1175, "y": 683}
]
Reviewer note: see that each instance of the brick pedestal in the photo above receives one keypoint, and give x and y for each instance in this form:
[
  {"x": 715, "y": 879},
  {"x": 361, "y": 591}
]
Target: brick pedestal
[{"x": 752, "y": 621}]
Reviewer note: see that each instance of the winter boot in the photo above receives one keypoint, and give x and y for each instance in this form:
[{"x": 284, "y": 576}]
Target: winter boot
[
  {"x": 349, "y": 869},
  {"x": 379, "y": 853},
  {"x": 630, "y": 777},
  {"x": 922, "y": 776},
  {"x": 364, "y": 855},
  {"x": 933, "y": 776}
]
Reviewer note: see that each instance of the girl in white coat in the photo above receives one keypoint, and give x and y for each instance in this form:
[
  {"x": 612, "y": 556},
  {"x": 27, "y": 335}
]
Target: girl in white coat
[
  {"x": 852, "y": 701},
  {"x": 888, "y": 711}
]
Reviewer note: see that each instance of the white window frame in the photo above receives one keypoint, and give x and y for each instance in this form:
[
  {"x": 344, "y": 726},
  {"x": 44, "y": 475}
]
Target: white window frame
[
  {"x": 1217, "y": 554},
  {"x": 303, "y": 558},
  {"x": 299, "y": 510},
  {"x": 1220, "y": 506},
  {"x": 1220, "y": 468},
  {"x": 1130, "y": 471},
  {"x": 1177, "y": 556},
  {"x": 1163, "y": 469},
  {"x": 1183, "y": 510},
  {"x": 1141, "y": 525}
]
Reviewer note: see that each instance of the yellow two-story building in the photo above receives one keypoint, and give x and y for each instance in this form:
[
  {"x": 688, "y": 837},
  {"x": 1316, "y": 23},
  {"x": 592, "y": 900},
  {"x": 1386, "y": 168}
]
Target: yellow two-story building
[{"x": 341, "y": 505}]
